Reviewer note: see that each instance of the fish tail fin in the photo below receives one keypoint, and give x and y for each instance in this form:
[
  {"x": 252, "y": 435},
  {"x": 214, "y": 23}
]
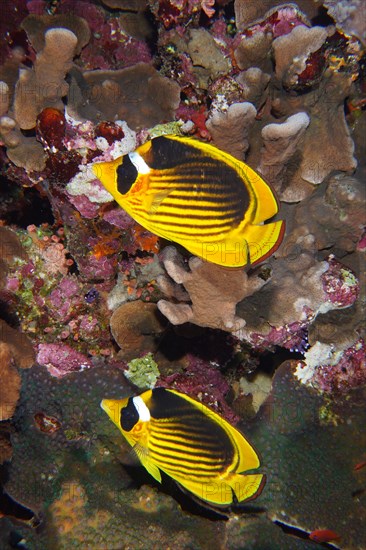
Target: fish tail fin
[
  {"x": 263, "y": 240},
  {"x": 246, "y": 486}
]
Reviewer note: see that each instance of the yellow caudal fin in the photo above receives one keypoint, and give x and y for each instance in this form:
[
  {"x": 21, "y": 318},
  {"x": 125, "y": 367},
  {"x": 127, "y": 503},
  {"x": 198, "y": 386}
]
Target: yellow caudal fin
[
  {"x": 263, "y": 240},
  {"x": 246, "y": 486},
  {"x": 220, "y": 492},
  {"x": 266, "y": 201}
]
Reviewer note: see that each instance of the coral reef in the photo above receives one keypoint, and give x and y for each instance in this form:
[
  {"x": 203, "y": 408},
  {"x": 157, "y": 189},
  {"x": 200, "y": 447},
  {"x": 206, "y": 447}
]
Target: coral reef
[
  {"x": 136, "y": 326},
  {"x": 121, "y": 95},
  {"x": 206, "y": 285},
  {"x": 81, "y": 472},
  {"x": 291, "y": 52},
  {"x": 348, "y": 16},
  {"x": 92, "y": 305},
  {"x": 239, "y": 116},
  {"x": 44, "y": 85},
  {"x": 91, "y": 493},
  {"x": 15, "y": 352},
  {"x": 143, "y": 372},
  {"x": 280, "y": 143}
]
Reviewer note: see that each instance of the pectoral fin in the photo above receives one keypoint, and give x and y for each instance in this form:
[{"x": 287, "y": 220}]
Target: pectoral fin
[{"x": 151, "y": 468}]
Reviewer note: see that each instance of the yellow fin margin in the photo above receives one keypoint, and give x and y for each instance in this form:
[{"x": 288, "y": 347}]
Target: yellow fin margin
[{"x": 221, "y": 492}]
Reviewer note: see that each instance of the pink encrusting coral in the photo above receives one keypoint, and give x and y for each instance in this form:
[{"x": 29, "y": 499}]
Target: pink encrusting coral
[
  {"x": 61, "y": 359},
  {"x": 332, "y": 370},
  {"x": 204, "y": 382},
  {"x": 340, "y": 284}
]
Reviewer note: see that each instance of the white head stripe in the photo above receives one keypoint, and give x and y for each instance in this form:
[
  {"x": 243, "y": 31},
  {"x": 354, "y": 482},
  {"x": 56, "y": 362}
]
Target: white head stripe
[
  {"x": 144, "y": 413},
  {"x": 139, "y": 163}
]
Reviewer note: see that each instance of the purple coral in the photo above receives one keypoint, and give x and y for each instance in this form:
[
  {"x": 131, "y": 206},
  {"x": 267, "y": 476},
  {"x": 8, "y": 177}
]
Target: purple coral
[
  {"x": 65, "y": 298},
  {"x": 61, "y": 359},
  {"x": 204, "y": 382},
  {"x": 340, "y": 284},
  {"x": 334, "y": 371}
]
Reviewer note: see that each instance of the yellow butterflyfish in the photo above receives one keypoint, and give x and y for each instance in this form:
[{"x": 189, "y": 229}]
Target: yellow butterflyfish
[
  {"x": 175, "y": 434},
  {"x": 196, "y": 195}
]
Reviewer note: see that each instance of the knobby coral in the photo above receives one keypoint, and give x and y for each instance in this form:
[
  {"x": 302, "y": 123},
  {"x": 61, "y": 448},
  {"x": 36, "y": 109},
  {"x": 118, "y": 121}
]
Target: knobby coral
[
  {"x": 206, "y": 284},
  {"x": 15, "y": 352},
  {"x": 44, "y": 85},
  {"x": 280, "y": 143}
]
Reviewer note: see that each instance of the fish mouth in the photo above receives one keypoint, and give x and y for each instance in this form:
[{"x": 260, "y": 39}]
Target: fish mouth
[{"x": 109, "y": 406}]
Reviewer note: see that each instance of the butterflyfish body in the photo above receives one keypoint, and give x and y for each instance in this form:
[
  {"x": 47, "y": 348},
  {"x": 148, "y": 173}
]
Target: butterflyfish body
[
  {"x": 175, "y": 434},
  {"x": 196, "y": 195}
]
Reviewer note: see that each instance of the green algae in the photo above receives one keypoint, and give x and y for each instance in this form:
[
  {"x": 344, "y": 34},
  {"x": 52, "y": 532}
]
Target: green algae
[{"x": 143, "y": 372}]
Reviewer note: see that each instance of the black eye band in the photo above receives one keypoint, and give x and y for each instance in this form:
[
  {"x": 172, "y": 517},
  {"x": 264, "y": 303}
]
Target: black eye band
[
  {"x": 126, "y": 175},
  {"x": 129, "y": 416}
]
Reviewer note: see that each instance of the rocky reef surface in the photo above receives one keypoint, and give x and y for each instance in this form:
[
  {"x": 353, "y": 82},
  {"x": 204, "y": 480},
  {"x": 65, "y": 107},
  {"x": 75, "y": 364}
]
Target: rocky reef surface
[{"x": 92, "y": 305}]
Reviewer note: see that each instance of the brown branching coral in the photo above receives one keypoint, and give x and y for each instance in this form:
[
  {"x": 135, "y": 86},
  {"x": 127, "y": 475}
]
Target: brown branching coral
[
  {"x": 292, "y": 50},
  {"x": 15, "y": 350},
  {"x": 23, "y": 151},
  {"x": 248, "y": 13},
  {"x": 299, "y": 285},
  {"x": 207, "y": 58},
  {"x": 254, "y": 51},
  {"x": 10, "y": 383},
  {"x": 212, "y": 289},
  {"x": 280, "y": 144},
  {"x": 327, "y": 145},
  {"x": 44, "y": 85},
  {"x": 36, "y": 27},
  {"x": 336, "y": 214},
  {"x": 350, "y": 16},
  {"x": 254, "y": 83},
  {"x": 230, "y": 129},
  {"x": 9, "y": 73},
  {"x": 136, "y": 326},
  {"x": 139, "y": 95},
  {"x": 4, "y": 98}
]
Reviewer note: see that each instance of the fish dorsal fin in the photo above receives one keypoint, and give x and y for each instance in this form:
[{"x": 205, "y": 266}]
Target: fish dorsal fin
[{"x": 143, "y": 455}]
